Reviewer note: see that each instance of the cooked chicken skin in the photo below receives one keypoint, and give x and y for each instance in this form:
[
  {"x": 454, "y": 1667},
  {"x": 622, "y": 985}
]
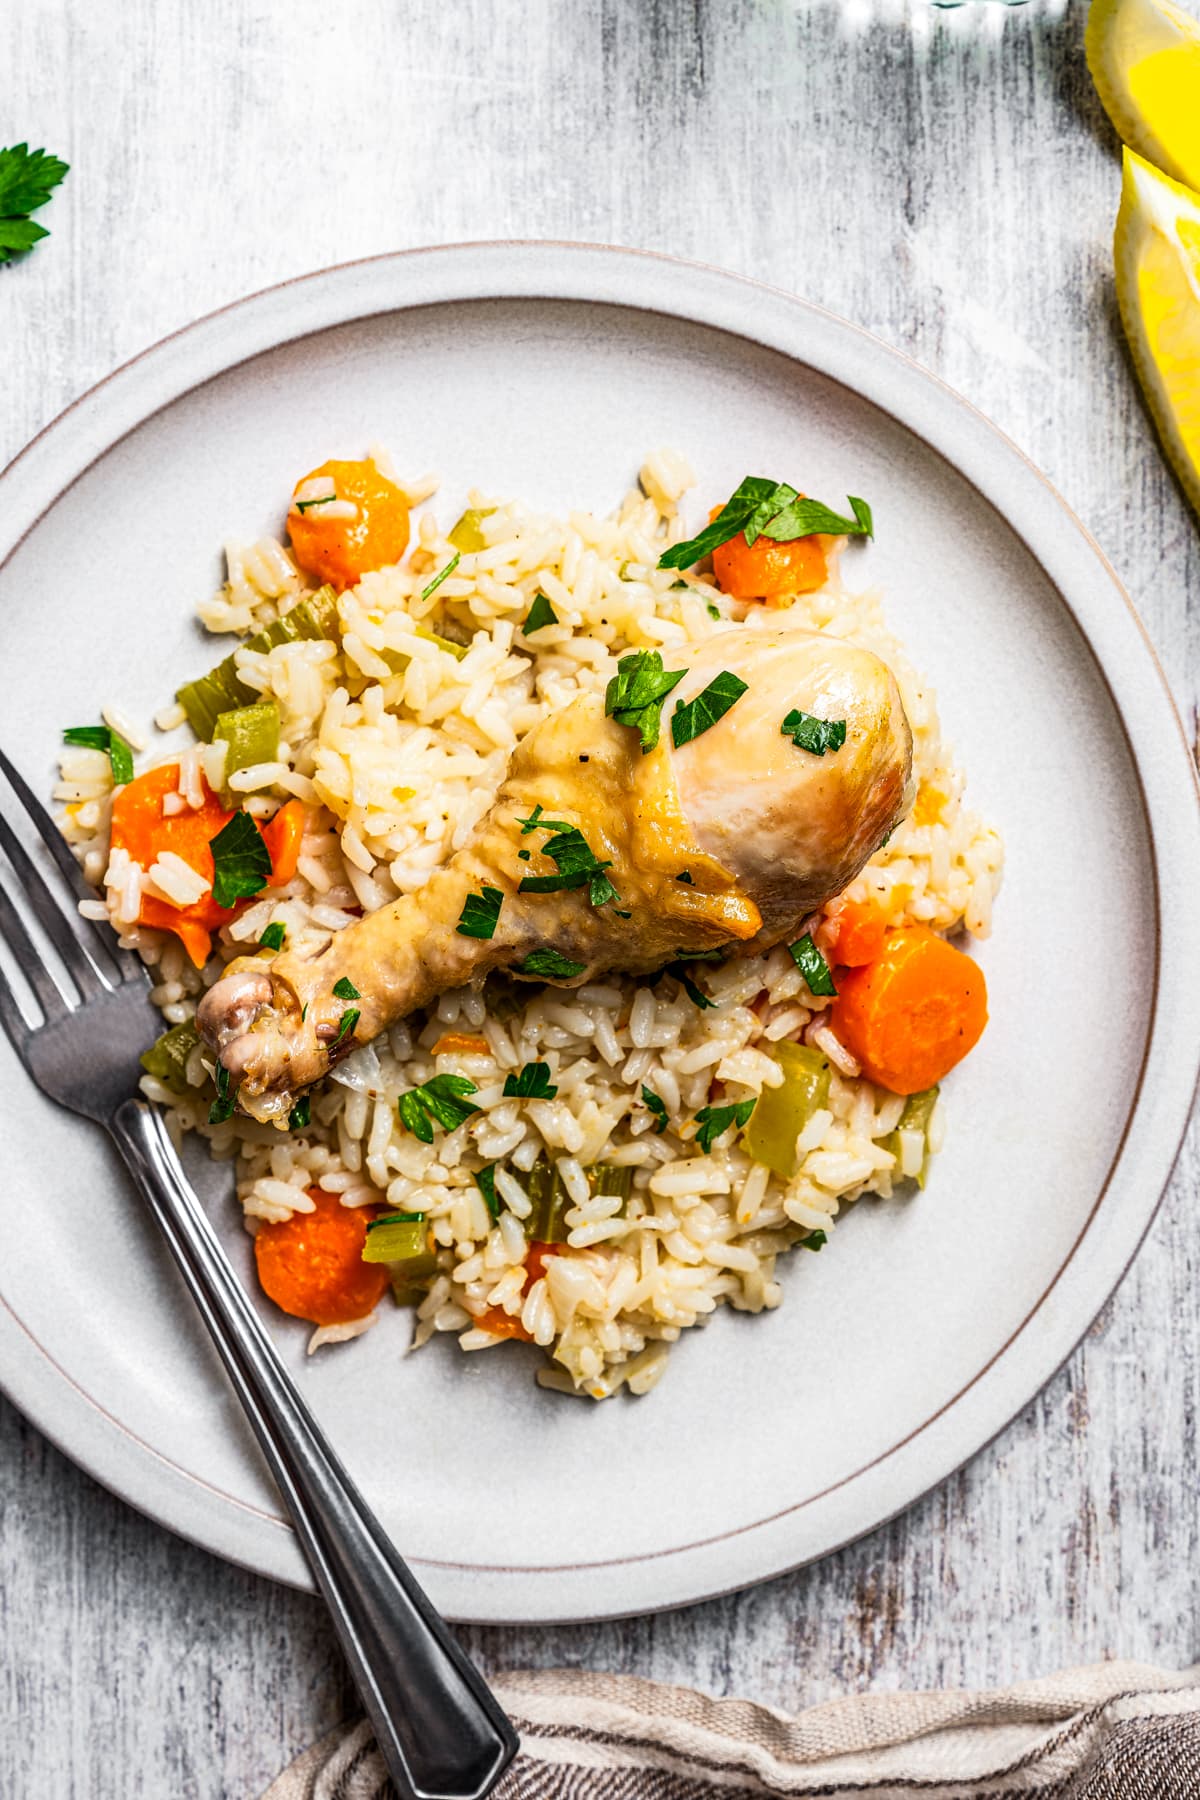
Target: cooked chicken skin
[{"x": 766, "y": 831}]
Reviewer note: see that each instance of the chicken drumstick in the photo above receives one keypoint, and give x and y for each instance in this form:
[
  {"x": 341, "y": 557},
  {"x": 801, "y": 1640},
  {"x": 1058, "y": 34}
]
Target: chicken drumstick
[{"x": 732, "y": 838}]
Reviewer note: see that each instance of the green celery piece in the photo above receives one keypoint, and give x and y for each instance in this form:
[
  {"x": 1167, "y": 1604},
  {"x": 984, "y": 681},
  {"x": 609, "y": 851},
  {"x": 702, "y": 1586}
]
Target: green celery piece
[
  {"x": 397, "y": 660},
  {"x": 783, "y": 1112},
  {"x": 205, "y": 699},
  {"x": 550, "y": 1202},
  {"x": 410, "y": 1284},
  {"x": 166, "y": 1059},
  {"x": 252, "y": 733},
  {"x": 917, "y": 1114},
  {"x": 401, "y": 1240},
  {"x": 465, "y": 533}
]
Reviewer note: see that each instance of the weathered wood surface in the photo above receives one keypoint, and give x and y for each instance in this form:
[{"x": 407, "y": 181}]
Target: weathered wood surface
[{"x": 946, "y": 179}]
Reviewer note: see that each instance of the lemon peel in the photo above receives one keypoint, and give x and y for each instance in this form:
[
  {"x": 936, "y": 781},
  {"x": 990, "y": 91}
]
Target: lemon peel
[
  {"x": 1144, "y": 56},
  {"x": 1157, "y": 256}
]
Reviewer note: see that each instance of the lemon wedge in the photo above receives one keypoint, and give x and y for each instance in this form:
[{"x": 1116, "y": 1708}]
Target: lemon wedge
[
  {"x": 1144, "y": 56},
  {"x": 1157, "y": 251}
]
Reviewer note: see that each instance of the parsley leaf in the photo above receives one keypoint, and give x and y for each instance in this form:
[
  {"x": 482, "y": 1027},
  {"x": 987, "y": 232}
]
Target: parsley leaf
[
  {"x": 441, "y": 1101},
  {"x": 533, "y": 1083},
  {"x": 635, "y": 695},
  {"x": 485, "y": 1181},
  {"x": 576, "y": 863},
  {"x": 531, "y": 823},
  {"x": 816, "y": 1240},
  {"x": 241, "y": 861},
  {"x": 300, "y": 1114},
  {"x": 692, "y": 717},
  {"x": 272, "y": 938},
  {"x": 441, "y": 575},
  {"x": 27, "y": 179},
  {"x": 696, "y": 995},
  {"x": 345, "y": 989},
  {"x": 812, "y": 965},
  {"x": 657, "y": 1107},
  {"x": 350, "y": 1019},
  {"x": 540, "y": 614},
  {"x": 713, "y": 1120},
  {"x": 808, "y": 732},
  {"x": 550, "y": 965},
  {"x": 99, "y": 737},
  {"x": 772, "y": 509},
  {"x": 480, "y": 913},
  {"x": 302, "y": 506},
  {"x": 224, "y": 1105}
]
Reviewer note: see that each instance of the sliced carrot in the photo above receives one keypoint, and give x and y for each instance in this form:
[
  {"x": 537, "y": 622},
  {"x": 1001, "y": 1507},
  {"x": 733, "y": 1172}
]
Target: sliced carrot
[
  {"x": 508, "y": 1325},
  {"x": 765, "y": 570},
  {"x": 311, "y": 1264},
  {"x": 853, "y": 931},
  {"x": 913, "y": 1012},
  {"x": 283, "y": 837},
  {"x": 344, "y": 550},
  {"x": 461, "y": 1043}
]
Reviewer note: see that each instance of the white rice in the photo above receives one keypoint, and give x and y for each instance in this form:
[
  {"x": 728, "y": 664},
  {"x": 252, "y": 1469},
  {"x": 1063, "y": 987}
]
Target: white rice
[{"x": 396, "y": 769}]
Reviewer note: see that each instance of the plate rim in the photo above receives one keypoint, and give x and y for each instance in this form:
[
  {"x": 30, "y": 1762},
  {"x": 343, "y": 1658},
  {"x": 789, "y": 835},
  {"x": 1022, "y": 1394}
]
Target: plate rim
[{"x": 954, "y": 429}]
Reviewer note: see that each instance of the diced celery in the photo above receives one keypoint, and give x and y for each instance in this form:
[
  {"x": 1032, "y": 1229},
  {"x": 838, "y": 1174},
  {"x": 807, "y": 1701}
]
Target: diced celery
[
  {"x": 783, "y": 1112},
  {"x": 398, "y": 660},
  {"x": 409, "y": 1288},
  {"x": 465, "y": 534},
  {"x": 917, "y": 1116},
  {"x": 550, "y": 1202},
  {"x": 167, "y": 1057},
  {"x": 205, "y": 699},
  {"x": 252, "y": 733},
  {"x": 397, "y": 1238}
]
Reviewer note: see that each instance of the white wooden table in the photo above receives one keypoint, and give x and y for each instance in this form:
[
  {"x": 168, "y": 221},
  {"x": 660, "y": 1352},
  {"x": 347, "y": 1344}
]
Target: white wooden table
[{"x": 946, "y": 179}]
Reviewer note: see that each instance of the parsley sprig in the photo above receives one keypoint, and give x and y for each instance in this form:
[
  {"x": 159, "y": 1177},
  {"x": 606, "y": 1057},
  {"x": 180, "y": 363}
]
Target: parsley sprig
[
  {"x": 691, "y": 717},
  {"x": 808, "y": 732},
  {"x": 713, "y": 1121},
  {"x": 99, "y": 737},
  {"x": 657, "y": 1107},
  {"x": 241, "y": 861},
  {"x": 532, "y": 1083},
  {"x": 480, "y": 914},
  {"x": 27, "y": 179},
  {"x": 577, "y": 864},
  {"x": 635, "y": 695},
  {"x": 812, "y": 966},
  {"x": 762, "y": 508},
  {"x": 550, "y": 966},
  {"x": 540, "y": 614},
  {"x": 441, "y": 1101}
]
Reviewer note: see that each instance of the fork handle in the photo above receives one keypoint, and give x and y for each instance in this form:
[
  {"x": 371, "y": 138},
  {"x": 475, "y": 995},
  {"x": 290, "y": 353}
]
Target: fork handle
[{"x": 441, "y": 1732}]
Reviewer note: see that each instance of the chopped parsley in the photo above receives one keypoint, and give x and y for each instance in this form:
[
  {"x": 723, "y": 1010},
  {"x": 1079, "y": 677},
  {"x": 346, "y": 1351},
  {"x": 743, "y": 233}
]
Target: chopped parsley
[
  {"x": 27, "y": 179},
  {"x": 696, "y": 995},
  {"x": 350, "y": 1019},
  {"x": 533, "y": 1083},
  {"x": 772, "y": 509},
  {"x": 576, "y": 862},
  {"x": 713, "y": 1120},
  {"x": 441, "y": 575},
  {"x": 808, "y": 732},
  {"x": 551, "y": 966},
  {"x": 441, "y": 1101},
  {"x": 300, "y": 1114},
  {"x": 657, "y": 1107},
  {"x": 241, "y": 861},
  {"x": 485, "y": 1181},
  {"x": 635, "y": 695},
  {"x": 99, "y": 737},
  {"x": 345, "y": 989},
  {"x": 302, "y": 506},
  {"x": 535, "y": 819},
  {"x": 691, "y": 717},
  {"x": 480, "y": 913},
  {"x": 540, "y": 614},
  {"x": 524, "y": 855},
  {"x": 816, "y": 1240},
  {"x": 272, "y": 938},
  {"x": 685, "y": 876},
  {"x": 396, "y": 1218},
  {"x": 812, "y": 965},
  {"x": 224, "y": 1105}
]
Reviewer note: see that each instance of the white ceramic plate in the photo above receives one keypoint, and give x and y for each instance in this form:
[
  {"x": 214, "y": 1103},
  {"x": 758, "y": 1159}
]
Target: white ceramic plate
[{"x": 548, "y": 371}]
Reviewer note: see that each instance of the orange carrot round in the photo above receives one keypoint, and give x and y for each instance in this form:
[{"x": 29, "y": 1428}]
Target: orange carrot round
[
  {"x": 504, "y": 1324},
  {"x": 853, "y": 931},
  {"x": 283, "y": 838},
  {"x": 765, "y": 570},
  {"x": 913, "y": 1012},
  {"x": 311, "y": 1264},
  {"x": 343, "y": 550}
]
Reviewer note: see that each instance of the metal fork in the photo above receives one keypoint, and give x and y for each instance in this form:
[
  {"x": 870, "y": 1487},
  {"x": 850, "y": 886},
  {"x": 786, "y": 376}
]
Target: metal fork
[{"x": 442, "y": 1734}]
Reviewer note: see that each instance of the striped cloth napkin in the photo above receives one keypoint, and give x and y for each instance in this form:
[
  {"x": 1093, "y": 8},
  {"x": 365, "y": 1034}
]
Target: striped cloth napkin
[{"x": 1117, "y": 1731}]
